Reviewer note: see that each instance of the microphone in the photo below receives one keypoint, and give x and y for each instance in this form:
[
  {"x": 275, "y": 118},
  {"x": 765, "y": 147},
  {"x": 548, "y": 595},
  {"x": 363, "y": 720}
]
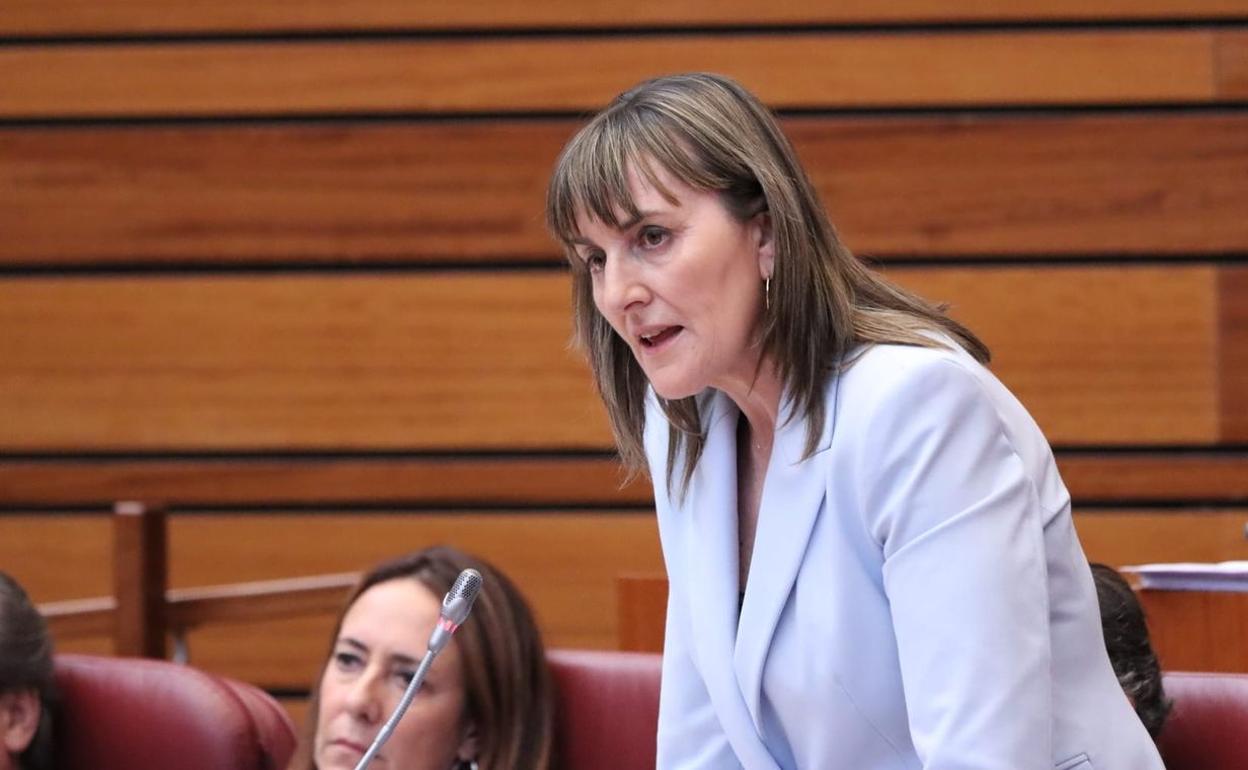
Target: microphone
[{"x": 455, "y": 608}]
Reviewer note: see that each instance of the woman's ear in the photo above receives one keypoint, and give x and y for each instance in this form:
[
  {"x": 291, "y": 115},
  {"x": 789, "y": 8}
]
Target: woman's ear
[
  {"x": 765, "y": 243},
  {"x": 19, "y": 719},
  {"x": 468, "y": 745}
]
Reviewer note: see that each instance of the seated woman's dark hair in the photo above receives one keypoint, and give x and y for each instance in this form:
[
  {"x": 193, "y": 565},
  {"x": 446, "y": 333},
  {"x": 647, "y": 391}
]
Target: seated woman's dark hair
[
  {"x": 26, "y": 666},
  {"x": 1130, "y": 651}
]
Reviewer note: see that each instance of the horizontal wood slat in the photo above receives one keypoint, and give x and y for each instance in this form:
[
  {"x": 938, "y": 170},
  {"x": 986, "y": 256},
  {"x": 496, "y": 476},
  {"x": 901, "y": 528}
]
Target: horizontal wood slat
[
  {"x": 1231, "y": 65},
  {"x": 480, "y": 361},
  {"x": 1120, "y": 538},
  {"x": 121, "y": 17},
  {"x": 516, "y": 481},
  {"x": 801, "y": 70},
  {"x": 1158, "y": 476},
  {"x": 566, "y": 564},
  {"x": 519, "y": 481},
  {"x": 360, "y": 193},
  {"x": 1233, "y": 311}
]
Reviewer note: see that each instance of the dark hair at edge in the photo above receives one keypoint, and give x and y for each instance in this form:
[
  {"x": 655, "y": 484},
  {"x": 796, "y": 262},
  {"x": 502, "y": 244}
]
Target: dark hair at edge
[
  {"x": 710, "y": 132},
  {"x": 26, "y": 664},
  {"x": 1130, "y": 651},
  {"x": 510, "y": 692}
]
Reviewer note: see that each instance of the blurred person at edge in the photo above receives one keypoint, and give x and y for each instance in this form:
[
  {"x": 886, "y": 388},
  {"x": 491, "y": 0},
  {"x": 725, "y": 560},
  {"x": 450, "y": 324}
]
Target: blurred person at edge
[
  {"x": 486, "y": 703},
  {"x": 1130, "y": 650},
  {"x": 871, "y": 557},
  {"x": 27, "y": 687}
]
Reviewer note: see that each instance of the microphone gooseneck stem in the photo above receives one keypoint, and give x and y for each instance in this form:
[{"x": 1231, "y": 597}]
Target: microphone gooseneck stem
[{"x": 399, "y": 710}]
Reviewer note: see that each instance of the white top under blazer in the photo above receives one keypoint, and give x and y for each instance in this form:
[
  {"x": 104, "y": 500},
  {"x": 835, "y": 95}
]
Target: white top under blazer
[{"x": 917, "y": 597}]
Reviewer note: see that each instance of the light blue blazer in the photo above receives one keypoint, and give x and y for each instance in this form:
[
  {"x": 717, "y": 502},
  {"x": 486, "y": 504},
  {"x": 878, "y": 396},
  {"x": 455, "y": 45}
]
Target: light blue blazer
[{"x": 917, "y": 597}]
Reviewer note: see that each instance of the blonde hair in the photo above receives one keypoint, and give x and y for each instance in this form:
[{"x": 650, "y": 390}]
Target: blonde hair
[{"x": 709, "y": 132}]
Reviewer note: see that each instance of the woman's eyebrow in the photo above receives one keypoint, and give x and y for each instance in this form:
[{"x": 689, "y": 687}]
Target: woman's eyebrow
[
  {"x": 404, "y": 660},
  {"x": 626, "y": 225},
  {"x": 353, "y": 642}
]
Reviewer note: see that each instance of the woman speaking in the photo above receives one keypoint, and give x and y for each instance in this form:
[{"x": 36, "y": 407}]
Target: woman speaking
[{"x": 871, "y": 555}]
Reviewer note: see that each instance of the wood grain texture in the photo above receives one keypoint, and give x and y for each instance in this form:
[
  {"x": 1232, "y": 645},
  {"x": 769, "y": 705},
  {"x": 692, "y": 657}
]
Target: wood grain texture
[
  {"x": 1155, "y": 476},
  {"x": 822, "y": 70},
  {"x": 1143, "y": 536},
  {"x": 479, "y": 361},
  {"x": 565, "y": 563},
  {"x": 1233, "y": 352},
  {"x": 362, "y": 193},
  {"x": 1231, "y": 64},
  {"x": 84, "y": 17},
  {"x": 140, "y": 576},
  {"x": 1198, "y": 631},
  {"x": 442, "y": 360},
  {"x": 1113, "y": 324},
  {"x": 520, "y": 480}
]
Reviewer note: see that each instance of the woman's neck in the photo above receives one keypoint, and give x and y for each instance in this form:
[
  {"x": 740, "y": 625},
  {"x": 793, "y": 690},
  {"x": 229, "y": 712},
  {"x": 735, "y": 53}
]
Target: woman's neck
[{"x": 758, "y": 400}]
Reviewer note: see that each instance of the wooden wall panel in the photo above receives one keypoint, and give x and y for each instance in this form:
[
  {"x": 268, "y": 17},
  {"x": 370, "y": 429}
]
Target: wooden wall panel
[
  {"x": 536, "y": 74},
  {"x": 1068, "y": 185},
  {"x": 565, "y": 563},
  {"x": 1121, "y": 538},
  {"x": 517, "y": 480},
  {"x": 82, "y": 17},
  {"x": 470, "y": 361},
  {"x": 425, "y": 361},
  {"x": 1231, "y": 65},
  {"x": 1155, "y": 476},
  {"x": 514, "y": 480},
  {"x": 1233, "y": 309},
  {"x": 1082, "y": 347}
]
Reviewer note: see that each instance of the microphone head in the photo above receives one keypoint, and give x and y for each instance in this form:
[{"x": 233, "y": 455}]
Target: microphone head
[{"x": 459, "y": 599}]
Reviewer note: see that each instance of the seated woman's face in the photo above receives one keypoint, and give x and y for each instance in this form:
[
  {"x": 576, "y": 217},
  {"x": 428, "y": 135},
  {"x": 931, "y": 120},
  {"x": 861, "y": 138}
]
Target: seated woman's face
[{"x": 384, "y": 635}]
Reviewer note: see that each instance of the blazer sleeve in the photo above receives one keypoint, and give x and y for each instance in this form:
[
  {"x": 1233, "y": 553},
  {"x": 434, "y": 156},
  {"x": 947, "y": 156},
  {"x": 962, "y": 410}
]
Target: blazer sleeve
[
  {"x": 961, "y": 528},
  {"x": 690, "y": 736}
]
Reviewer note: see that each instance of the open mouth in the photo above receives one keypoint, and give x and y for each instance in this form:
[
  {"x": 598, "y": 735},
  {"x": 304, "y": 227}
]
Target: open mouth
[{"x": 658, "y": 338}]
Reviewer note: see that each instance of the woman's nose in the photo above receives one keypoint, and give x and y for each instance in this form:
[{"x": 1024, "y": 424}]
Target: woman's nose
[
  {"x": 363, "y": 699},
  {"x": 623, "y": 284}
]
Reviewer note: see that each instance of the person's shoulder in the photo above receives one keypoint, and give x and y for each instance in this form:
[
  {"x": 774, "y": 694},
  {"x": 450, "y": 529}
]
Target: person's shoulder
[{"x": 885, "y": 371}]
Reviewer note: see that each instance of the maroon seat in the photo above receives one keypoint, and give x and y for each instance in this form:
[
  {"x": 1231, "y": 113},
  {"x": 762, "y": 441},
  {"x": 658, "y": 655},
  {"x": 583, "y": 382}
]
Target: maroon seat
[
  {"x": 134, "y": 714},
  {"x": 608, "y": 709},
  {"x": 1208, "y": 728},
  {"x": 609, "y": 706}
]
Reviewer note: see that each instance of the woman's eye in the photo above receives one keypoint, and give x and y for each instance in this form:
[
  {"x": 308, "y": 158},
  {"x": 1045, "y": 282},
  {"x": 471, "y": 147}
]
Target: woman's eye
[
  {"x": 595, "y": 260},
  {"x": 653, "y": 237},
  {"x": 347, "y": 660},
  {"x": 406, "y": 677}
]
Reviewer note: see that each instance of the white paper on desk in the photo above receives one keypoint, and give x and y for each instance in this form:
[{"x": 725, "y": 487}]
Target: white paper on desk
[{"x": 1191, "y": 576}]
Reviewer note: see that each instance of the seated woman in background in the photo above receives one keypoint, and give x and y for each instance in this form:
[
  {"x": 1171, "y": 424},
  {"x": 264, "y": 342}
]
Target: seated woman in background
[
  {"x": 487, "y": 702},
  {"x": 26, "y": 682},
  {"x": 1130, "y": 651}
]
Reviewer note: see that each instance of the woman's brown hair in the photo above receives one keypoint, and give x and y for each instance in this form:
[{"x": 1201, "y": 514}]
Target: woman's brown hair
[
  {"x": 510, "y": 694},
  {"x": 26, "y": 665},
  {"x": 712, "y": 134}
]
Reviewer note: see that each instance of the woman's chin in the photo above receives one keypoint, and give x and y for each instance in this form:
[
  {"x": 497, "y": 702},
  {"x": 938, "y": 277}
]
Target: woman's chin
[{"x": 674, "y": 391}]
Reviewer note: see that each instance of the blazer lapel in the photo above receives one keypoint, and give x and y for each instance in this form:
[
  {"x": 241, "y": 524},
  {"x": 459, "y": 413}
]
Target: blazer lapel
[
  {"x": 793, "y": 495},
  {"x": 710, "y": 542}
]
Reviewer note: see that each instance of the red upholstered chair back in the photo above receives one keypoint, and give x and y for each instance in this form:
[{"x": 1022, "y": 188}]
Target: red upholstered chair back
[
  {"x": 135, "y": 714},
  {"x": 1208, "y": 728},
  {"x": 608, "y": 709}
]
